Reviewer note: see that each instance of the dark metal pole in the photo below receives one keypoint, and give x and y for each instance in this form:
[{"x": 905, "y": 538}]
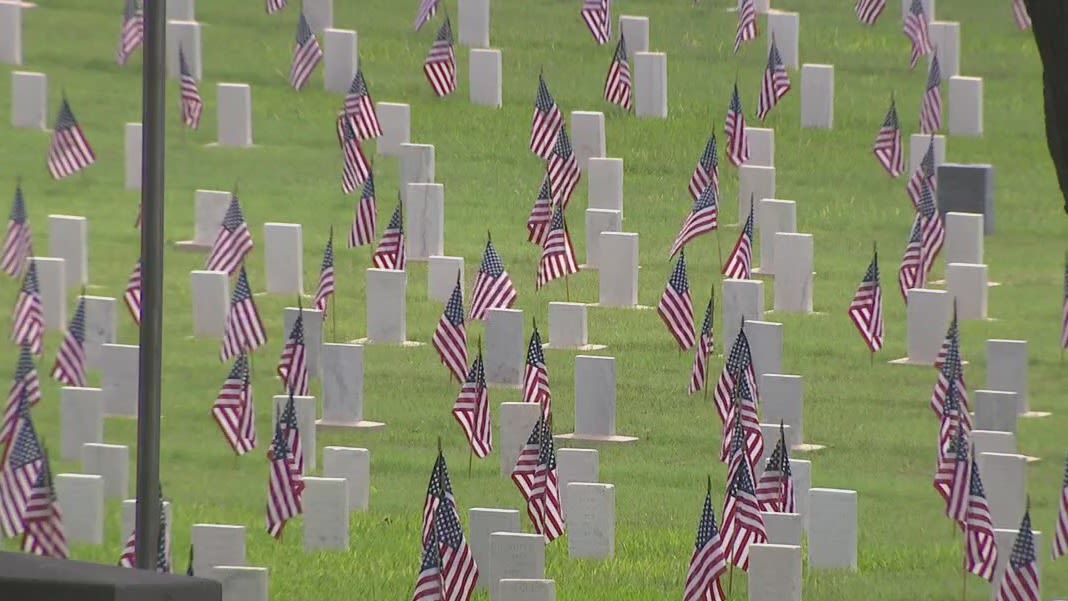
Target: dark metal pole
[{"x": 153, "y": 82}]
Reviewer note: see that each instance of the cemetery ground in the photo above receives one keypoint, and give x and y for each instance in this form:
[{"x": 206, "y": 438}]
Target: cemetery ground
[{"x": 874, "y": 419}]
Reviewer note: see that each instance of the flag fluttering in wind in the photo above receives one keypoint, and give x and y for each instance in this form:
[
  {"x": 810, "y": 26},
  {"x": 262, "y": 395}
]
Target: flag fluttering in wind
[
  {"x": 739, "y": 361},
  {"x": 360, "y": 108},
  {"x": 25, "y": 386},
  {"x": 365, "y": 221},
  {"x": 743, "y": 420},
  {"x": 924, "y": 174},
  {"x": 326, "y": 277},
  {"x": 293, "y": 364},
  {"x": 243, "y": 331},
  {"x": 285, "y": 484},
  {"x": 536, "y": 376},
  {"x": 776, "y": 82},
  {"x": 307, "y": 54},
  {"x": 18, "y": 242},
  {"x": 355, "y": 168},
  {"x": 27, "y": 319},
  {"x": 536, "y": 478},
  {"x": 390, "y": 251},
  {"x": 234, "y": 409},
  {"x": 22, "y": 464},
  {"x": 558, "y": 253},
  {"x": 597, "y": 15},
  {"x": 546, "y": 122},
  {"x": 740, "y": 262},
  {"x": 429, "y": 584},
  {"x": 450, "y": 337},
  {"x": 888, "y": 149},
  {"x": 440, "y": 518},
  {"x": 472, "y": 409},
  {"x": 233, "y": 242},
  {"x": 932, "y": 226},
  {"x": 866, "y": 310},
  {"x": 747, "y": 24},
  {"x": 274, "y": 6},
  {"x": 192, "y": 105},
  {"x": 132, "y": 32},
  {"x": 69, "y": 152},
  {"x": 676, "y": 305},
  {"x": 440, "y": 64},
  {"x": 132, "y": 295},
  {"x": 563, "y": 170},
  {"x": 911, "y": 273},
  {"x": 1020, "y": 580},
  {"x": 931, "y": 107},
  {"x": 1060, "y": 536},
  {"x": 541, "y": 215},
  {"x": 618, "y": 88},
  {"x": 981, "y": 552},
  {"x": 705, "y": 345},
  {"x": 915, "y": 29},
  {"x": 427, "y": 10},
  {"x": 775, "y": 490},
  {"x": 742, "y": 523},
  {"x": 737, "y": 138},
  {"x": 44, "y": 532},
  {"x": 70, "y": 358},
  {"x": 703, "y": 218},
  {"x": 707, "y": 563},
  {"x": 868, "y": 11},
  {"x": 493, "y": 287},
  {"x": 706, "y": 173}
]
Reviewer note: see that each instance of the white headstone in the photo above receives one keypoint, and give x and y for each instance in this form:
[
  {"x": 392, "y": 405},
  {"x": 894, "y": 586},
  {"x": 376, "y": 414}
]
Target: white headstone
[
  {"x": 133, "y": 156},
  {"x": 606, "y": 179},
  {"x": 340, "y": 59},
  {"x": 595, "y": 400},
  {"x": 766, "y": 345},
  {"x": 209, "y": 210},
  {"x": 483, "y": 522},
  {"x": 995, "y": 410},
  {"x": 591, "y": 525},
  {"x": 217, "y": 545},
  {"x": 326, "y": 514},
  {"x": 424, "y": 221},
  {"x": 784, "y": 28},
  {"x": 965, "y": 106},
  {"x": 181, "y": 10},
  {"x": 762, "y": 6},
  {"x": 416, "y": 167},
  {"x": 650, "y": 85},
  {"x": 306, "y": 407},
  {"x": 119, "y": 362},
  {"x": 964, "y": 238},
  {"x": 1006, "y": 369},
  {"x": 742, "y": 300},
  {"x": 755, "y": 183},
  {"x": 817, "y": 96},
  {"x": 526, "y": 589},
  {"x": 343, "y": 373},
  {"x": 991, "y": 441},
  {"x": 775, "y": 571},
  {"x": 918, "y": 144},
  {"x": 516, "y": 422},
  {"x": 283, "y": 248},
  {"x": 793, "y": 273},
  {"x": 967, "y": 283},
  {"x": 354, "y": 466},
  {"x": 945, "y": 37},
  {"x": 68, "y": 239},
  {"x": 185, "y": 34},
  {"x": 81, "y": 498},
  {"x": 313, "y": 335},
  {"x": 234, "y": 114},
  {"x": 761, "y": 147},
  {"x": 112, "y": 463},
  {"x": 928, "y": 317},
  {"x": 635, "y": 31},
  {"x": 11, "y": 33},
  {"x": 211, "y": 302},
  {"x": 319, "y": 13},
  {"x": 474, "y": 23},
  {"x": 441, "y": 276},
  {"x": 928, "y": 9},
  {"x": 129, "y": 514},
  {"x": 567, "y": 325},
  {"x": 575, "y": 465},
  {"x": 241, "y": 583},
  {"x": 100, "y": 321},
  {"x": 29, "y": 98},
  {"x": 587, "y": 138},
  {"x": 386, "y": 308},
  {"x": 832, "y": 530},
  {"x": 486, "y": 73},
  {"x": 802, "y": 471},
  {"x": 81, "y": 420},
  {"x": 1005, "y": 540},
  {"x": 396, "y": 121},
  {"x": 515, "y": 555},
  {"x": 618, "y": 269},
  {"x": 506, "y": 349},
  {"x": 597, "y": 221},
  {"x": 52, "y": 280},
  {"x": 782, "y": 397},
  {"x": 775, "y": 216},
  {"x": 782, "y": 528},
  {"x": 1005, "y": 481}
]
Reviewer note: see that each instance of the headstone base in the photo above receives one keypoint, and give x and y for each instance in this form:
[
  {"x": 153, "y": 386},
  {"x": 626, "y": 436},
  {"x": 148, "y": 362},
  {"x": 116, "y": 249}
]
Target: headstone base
[
  {"x": 405, "y": 344},
  {"x": 615, "y": 439},
  {"x": 322, "y": 424}
]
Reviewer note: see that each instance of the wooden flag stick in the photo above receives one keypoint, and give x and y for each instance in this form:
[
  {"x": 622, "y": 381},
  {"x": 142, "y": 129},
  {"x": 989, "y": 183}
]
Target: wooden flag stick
[
  {"x": 730, "y": 581},
  {"x": 719, "y": 249},
  {"x": 964, "y": 566},
  {"x": 333, "y": 315},
  {"x": 470, "y": 461}
]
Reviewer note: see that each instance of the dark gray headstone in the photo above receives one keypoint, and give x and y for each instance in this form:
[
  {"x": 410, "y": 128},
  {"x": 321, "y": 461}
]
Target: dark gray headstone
[{"x": 967, "y": 189}]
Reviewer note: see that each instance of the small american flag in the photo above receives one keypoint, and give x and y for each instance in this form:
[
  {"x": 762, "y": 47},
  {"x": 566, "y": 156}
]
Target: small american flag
[
  {"x": 132, "y": 32},
  {"x": 742, "y": 523},
  {"x": 494, "y": 288},
  {"x": 427, "y": 9},
  {"x": 747, "y": 24},
  {"x": 617, "y": 86},
  {"x": 128, "y": 559},
  {"x": 360, "y": 108},
  {"x": 1020, "y": 581},
  {"x": 934, "y": 230},
  {"x": 868, "y": 11},
  {"x": 459, "y": 570},
  {"x": 285, "y": 484},
  {"x": 775, "y": 490},
  {"x": 293, "y": 364},
  {"x": 44, "y": 533},
  {"x": 306, "y": 55},
  {"x": 244, "y": 330},
  {"x": 1060, "y": 536},
  {"x": 911, "y": 274},
  {"x": 365, "y": 221},
  {"x": 925, "y": 173},
  {"x": 18, "y": 242},
  {"x": 557, "y": 254},
  {"x": 981, "y": 552},
  {"x": 705, "y": 345},
  {"x": 233, "y": 242},
  {"x": 192, "y": 105},
  {"x": 69, "y": 151},
  {"x": 915, "y": 30},
  {"x": 931, "y": 108},
  {"x": 438, "y": 489},
  {"x": 866, "y": 310},
  {"x": 541, "y": 215},
  {"x": 707, "y": 563},
  {"x": 355, "y": 168},
  {"x": 440, "y": 64},
  {"x": 25, "y": 385},
  {"x": 1064, "y": 309},
  {"x": 737, "y": 140},
  {"x": 21, "y": 467},
  {"x": 132, "y": 294},
  {"x": 887, "y": 147},
  {"x": 536, "y": 376},
  {"x": 955, "y": 420},
  {"x": 390, "y": 251},
  {"x": 536, "y": 478},
  {"x": 739, "y": 360},
  {"x": 776, "y": 83},
  {"x": 703, "y": 218},
  {"x": 740, "y": 262},
  {"x": 70, "y": 358},
  {"x": 676, "y": 305},
  {"x": 563, "y": 170},
  {"x": 597, "y": 15},
  {"x": 546, "y": 123},
  {"x": 950, "y": 374},
  {"x": 274, "y": 6},
  {"x": 234, "y": 410},
  {"x": 326, "y": 276},
  {"x": 706, "y": 173},
  {"x": 450, "y": 337},
  {"x": 953, "y": 477},
  {"x": 291, "y": 431},
  {"x": 745, "y": 419},
  {"x": 429, "y": 585},
  {"x": 27, "y": 320},
  {"x": 1019, "y": 13},
  {"x": 472, "y": 409}
]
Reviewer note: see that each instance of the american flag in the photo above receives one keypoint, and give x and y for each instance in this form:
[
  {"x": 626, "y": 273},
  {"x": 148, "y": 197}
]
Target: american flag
[
  {"x": 234, "y": 410},
  {"x": 1060, "y": 536},
  {"x": 132, "y": 295},
  {"x": 597, "y": 14},
  {"x": 291, "y": 431},
  {"x": 925, "y": 173},
  {"x": 27, "y": 320},
  {"x": 546, "y": 123},
  {"x": 128, "y": 559},
  {"x": 931, "y": 108},
  {"x": 24, "y": 385},
  {"x": 911, "y": 274},
  {"x": 745, "y": 421},
  {"x": 775, "y": 489},
  {"x": 742, "y": 523},
  {"x": 955, "y": 420},
  {"x": 21, "y": 466},
  {"x": 950, "y": 392},
  {"x": 617, "y": 86},
  {"x": 868, "y": 11},
  {"x": 915, "y": 30},
  {"x": 705, "y": 345},
  {"x": 739, "y": 360},
  {"x": 192, "y": 104},
  {"x": 747, "y": 24},
  {"x": 676, "y": 305},
  {"x": 1019, "y": 13},
  {"x": 427, "y": 9},
  {"x": 285, "y": 483},
  {"x": 243, "y": 331},
  {"x": 887, "y": 147},
  {"x": 70, "y": 358},
  {"x": 306, "y": 55},
  {"x": 866, "y": 310},
  {"x": 233, "y": 242},
  {"x": 703, "y": 218},
  {"x": 541, "y": 215},
  {"x": 536, "y": 376},
  {"x": 776, "y": 82},
  {"x": 390, "y": 251},
  {"x": 1064, "y": 309},
  {"x": 459, "y": 570},
  {"x": 1020, "y": 580},
  {"x": 44, "y": 533},
  {"x": 563, "y": 170},
  {"x": 438, "y": 489},
  {"x": 355, "y": 168},
  {"x": 365, "y": 221},
  {"x": 706, "y": 173},
  {"x": 494, "y": 288},
  {"x": 132, "y": 32},
  {"x": 274, "y": 6},
  {"x": 536, "y": 478},
  {"x": 440, "y": 64},
  {"x": 557, "y": 254},
  {"x": 981, "y": 552},
  {"x": 472, "y": 409},
  {"x": 360, "y": 108},
  {"x": 740, "y": 261},
  {"x": 707, "y": 563},
  {"x": 293, "y": 364},
  {"x": 737, "y": 140},
  {"x": 326, "y": 276},
  {"x": 934, "y": 231},
  {"x": 69, "y": 152},
  {"x": 450, "y": 337},
  {"x": 429, "y": 585},
  {"x": 18, "y": 243},
  {"x": 953, "y": 476}
]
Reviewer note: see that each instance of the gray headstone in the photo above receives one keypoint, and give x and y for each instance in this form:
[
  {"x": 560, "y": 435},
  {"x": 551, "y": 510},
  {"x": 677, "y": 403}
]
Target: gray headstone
[
  {"x": 11, "y": 33},
  {"x": 29, "y": 99},
  {"x": 967, "y": 189},
  {"x": 100, "y": 326},
  {"x": 234, "y": 114},
  {"x": 119, "y": 363},
  {"x": 81, "y": 420},
  {"x": 68, "y": 239}
]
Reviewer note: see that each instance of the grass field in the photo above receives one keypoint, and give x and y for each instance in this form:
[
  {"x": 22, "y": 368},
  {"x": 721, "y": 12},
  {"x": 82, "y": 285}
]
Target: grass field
[{"x": 875, "y": 421}]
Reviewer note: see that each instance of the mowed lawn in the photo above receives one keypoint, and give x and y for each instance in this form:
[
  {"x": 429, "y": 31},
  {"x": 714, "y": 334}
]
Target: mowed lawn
[{"x": 875, "y": 420}]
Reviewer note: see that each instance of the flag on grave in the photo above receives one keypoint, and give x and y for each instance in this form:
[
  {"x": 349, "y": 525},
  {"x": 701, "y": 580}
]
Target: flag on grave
[
  {"x": 132, "y": 32},
  {"x": 274, "y": 6},
  {"x": 949, "y": 366},
  {"x": 307, "y": 54},
  {"x": 563, "y": 170},
  {"x": 1060, "y": 536},
  {"x": 776, "y": 82},
  {"x": 744, "y": 401},
  {"x": 541, "y": 214},
  {"x": 924, "y": 173},
  {"x": 70, "y": 358},
  {"x": 546, "y": 122},
  {"x": 243, "y": 331},
  {"x": 355, "y": 168},
  {"x": 676, "y": 305},
  {"x": 459, "y": 571},
  {"x": 27, "y": 319},
  {"x": 365, "y": 221},
  {"x": 739, "y": 361},
  {"x": 438, "y": 489},
  {"x": 326, "y": 276},
  {"x": 866, "y": 310},
  {"x": 911, "y": 273},
  {"x": 747, "y": 24},
  {"x": 931, "y": 107},
  {"x": 953, "y": 476},
  {"x": 558, "y": 253},
  {"x": 450, "y": 337},
  {"x": 536, "y": 478},
  {"x": 390, "y": 251},
  {"x": 915, "y": 30},
  {"x": 293, "y": 364},
  {"x": 18, "y": 243},
  {"x": 22, "y": 464},
  {"x": 69, "y": 152},
  {"x": 234, "y": 410},
  {"x": 981, "y": 552},
  {"x": 360, "y": 108},
  {"x": 1020, "y": 580},
  {"x": 742, "y": 523},
  {"x": 934, "y": 230},
  {"x": 1020, "y": 15},
  {"x": 192, "y": 105},
  {"x": 233, "y": 242},
  {"x": 291, "y": 431},
  {"x": 775, "y": 489},
  {"x": 493, "y": 287},
  {"x": 440, "y": 64},
  {"x": 536, "y": 376},
  {"x": 472, "y": 409},
  {"x": 285, "y": 484},
  {"x": 132, "y": 295},
  {"x": 597, "y": 15},
  {"x": 955, "y": 418},
  {"x": 429, "y": 584},
  {"x": 705, "y": 345},
  {"x": 737, "y": 138},
  {"x": 707, "y": 563},
  {"x": 706, "y": 173},
  {"x": 44, "y": 532},
  {"x": 868, "y": 11},
  {"x": 740, "y": 262},
  {"x": 128, "y": 559},
  {"x": 26, "y": 385},
  {"x": 887, "y": 149},
  {"x": 952, "y": 337},
  {"x": 617, "y": 86},
  {"x": 703, "y": 218},
  {"x": 427, "y": 9}
]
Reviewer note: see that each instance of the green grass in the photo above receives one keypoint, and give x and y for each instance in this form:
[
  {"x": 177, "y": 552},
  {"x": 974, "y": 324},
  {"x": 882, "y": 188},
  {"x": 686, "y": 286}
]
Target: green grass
[{"x": 875, "y": 421}]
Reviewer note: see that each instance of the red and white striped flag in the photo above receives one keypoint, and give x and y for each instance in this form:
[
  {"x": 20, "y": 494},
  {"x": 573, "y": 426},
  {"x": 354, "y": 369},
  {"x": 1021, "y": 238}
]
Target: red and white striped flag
[
  {"x": 747, "y": 24},
  {"x": 1060, "y": 532},
  {"x": 18, "y": 242},
  {"x": 536, "y": 478},
  {"x": 558, "y": 253},
  {"x": 707, "y": 563},
  {"x": 740, "y": 262},
  {"x": 22, "y": 464},
  {"x": 739, "y": 361},
  {"x": 742, "y": 426},
  {"x": 274, "y": 6},
  {"x": 953, "y": 477},
  {"x": 360, "y": 108},
  {"x": 776, "y": 82},
  {"x": 924, "y": 174},
  {"x": 705, "y": 345},
  {"x": 429, "y": 584},
  {"x": 365, "y": 221},
  {"x": 234, "y": 410},
  {"x": 868, "y": 11},
  {"x": 1020, "y": 581},
  {"x": 132, "y": 295},
  {"x": 866, "y": 310},
  {"x": 27, "y": 320},
  {"x": 563, "y": 170},
  {"x": 934, "y": 230},
  {"x": 293, "y": 364},
  {"x": 706, "y": 173},
  {"x": 1020, "y": 15},
  {"x": 70, "y": 358},
  {"x": 25, "y": 385},
  {"x": 931, "y": 107},
  {"x": 44, "y": 532},
  {"x": 233, "y": 242},
  {"x": 460, "y": 572},
  {"x": 472, "y": 410},
  {"x": 69, "y": 152},
  {"x": 703, "y": 218},
  {"x": 676, "y": 305},
  {"x": 911, "y": 273},
  {"x": 243, "y": 331},
  {"x": 980, "y": 552},
  {"x": 390, "y": 251},
  {"x": 493, "y": 287},
  {"x": 536, "y": 376},
  {"x": 737, "y": 139},
  {"x": 326, "y": 277},
  {"x": 742, "y": 523},
  {"x": 450, "y": 337},
  {"x": 915, "y": 29},
  {"x": 597, "y": 15},
  {"x": 541, "y": 215},
  {"x": 427, "y": 10},
  {"x": 192, "y": 104},
  {"x": 307, "y": 54},
  {"x": 440, "y": 64},
  {"x": 888, "y": 150},
  {"x": 617, "y": 86},
  {"x": 546, "y": 122},
  {"x": 285, "y": 485},
  {"x": 775, "y": 489},
  {"x": 355, "y": 168},
  {"x": 132, "y": 32},
  {"x": 438, "y": 490}
]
